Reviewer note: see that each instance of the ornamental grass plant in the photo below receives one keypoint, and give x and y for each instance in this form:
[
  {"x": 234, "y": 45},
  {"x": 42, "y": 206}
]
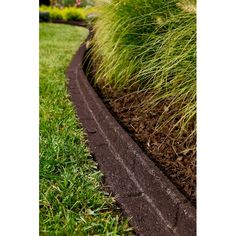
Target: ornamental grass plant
[{"x": 149, "y": 47}]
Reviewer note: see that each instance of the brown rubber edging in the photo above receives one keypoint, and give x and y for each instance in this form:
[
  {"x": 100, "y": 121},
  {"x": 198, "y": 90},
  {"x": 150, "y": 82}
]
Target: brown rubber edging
[
  {"x": 75, "y": 23},
  {"x": 156, "y": 207}
]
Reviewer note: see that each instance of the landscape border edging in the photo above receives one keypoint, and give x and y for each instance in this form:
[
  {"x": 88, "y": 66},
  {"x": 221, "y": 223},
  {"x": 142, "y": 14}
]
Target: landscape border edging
[
  {"x": 81, "y": 23},
  {"x": 142, "y": 190}
]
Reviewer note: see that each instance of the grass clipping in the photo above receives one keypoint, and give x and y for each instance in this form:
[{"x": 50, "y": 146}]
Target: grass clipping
[{"x": 149, "y": 47}]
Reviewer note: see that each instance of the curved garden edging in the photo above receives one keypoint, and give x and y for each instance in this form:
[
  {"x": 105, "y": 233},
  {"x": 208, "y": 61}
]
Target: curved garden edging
[
  {"x": 146, "y": 195},
  {"x": 76, "y": 23}
]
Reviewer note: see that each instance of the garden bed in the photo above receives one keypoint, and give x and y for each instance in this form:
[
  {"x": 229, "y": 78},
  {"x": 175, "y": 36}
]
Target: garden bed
[
  {"x": 175, "y": 157},
  {"x": 143, "y": 65}
]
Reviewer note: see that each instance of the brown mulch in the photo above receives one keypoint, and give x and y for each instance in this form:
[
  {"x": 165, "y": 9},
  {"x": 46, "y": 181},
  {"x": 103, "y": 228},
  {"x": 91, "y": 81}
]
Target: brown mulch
[{"x": 175, "y": 155}]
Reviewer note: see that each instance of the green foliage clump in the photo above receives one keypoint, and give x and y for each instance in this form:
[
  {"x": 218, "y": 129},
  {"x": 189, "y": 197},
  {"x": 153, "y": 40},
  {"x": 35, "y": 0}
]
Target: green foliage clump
[
  {"x": 66, "y": 13},
  {"x": 72, "y": 13},
  {"x": 149, "y": 46},
  {"x": 56, "y": 13}
]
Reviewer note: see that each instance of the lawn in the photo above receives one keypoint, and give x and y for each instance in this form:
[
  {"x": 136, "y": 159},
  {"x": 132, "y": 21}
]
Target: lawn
[{"x": 72, "y": 201}]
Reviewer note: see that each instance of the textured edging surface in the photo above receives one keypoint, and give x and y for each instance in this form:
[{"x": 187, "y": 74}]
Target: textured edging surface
[{"x": 145, "y": 194}]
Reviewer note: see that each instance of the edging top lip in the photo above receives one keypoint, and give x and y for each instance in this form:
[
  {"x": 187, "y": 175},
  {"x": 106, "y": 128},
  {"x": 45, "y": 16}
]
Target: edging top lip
[{"x": 143, "y": 191}]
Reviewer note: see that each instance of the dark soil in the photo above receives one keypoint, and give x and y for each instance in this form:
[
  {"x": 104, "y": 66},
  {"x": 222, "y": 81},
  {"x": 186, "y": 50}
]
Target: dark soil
[{"x": 175, "y": 155}]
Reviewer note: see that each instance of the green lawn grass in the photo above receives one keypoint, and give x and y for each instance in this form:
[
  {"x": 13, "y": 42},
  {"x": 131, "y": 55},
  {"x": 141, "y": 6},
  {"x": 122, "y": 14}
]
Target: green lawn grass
[{"x": 72, "y": 201}]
